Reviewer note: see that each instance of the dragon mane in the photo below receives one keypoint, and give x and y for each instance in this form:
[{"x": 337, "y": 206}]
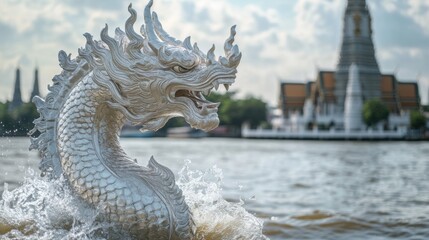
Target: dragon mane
[{"x": 128, "y": 63}]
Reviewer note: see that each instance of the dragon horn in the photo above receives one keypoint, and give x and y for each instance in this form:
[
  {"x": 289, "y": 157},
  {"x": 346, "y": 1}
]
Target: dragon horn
[
  {"x": 229, "y": 41},
  {"x": 199, "y": 52},
  {"x": 211, "y": 55},
  {"x": 136, "y": 40},
  {"x": 187, "y": 43},
  {"x": 153, "y": 42},
  {"x": 162, "y": 33},
  {"x": 232, "y": 52}
]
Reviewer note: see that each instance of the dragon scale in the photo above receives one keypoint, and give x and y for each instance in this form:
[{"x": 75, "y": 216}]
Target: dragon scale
[
  {"x": 143, "y": 79},
  {"x": 126, "y": 194}
]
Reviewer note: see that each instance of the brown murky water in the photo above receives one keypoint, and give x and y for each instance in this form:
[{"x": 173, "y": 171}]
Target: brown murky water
[{"x": 300, "y": 189}]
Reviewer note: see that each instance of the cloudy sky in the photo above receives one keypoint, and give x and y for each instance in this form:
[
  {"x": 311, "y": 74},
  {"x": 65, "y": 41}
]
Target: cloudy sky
[{"x": 280, "y": 39}]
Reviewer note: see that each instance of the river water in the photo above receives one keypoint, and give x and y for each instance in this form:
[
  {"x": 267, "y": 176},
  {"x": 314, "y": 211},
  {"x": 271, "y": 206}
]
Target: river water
[{"x": 299, "y": 189}]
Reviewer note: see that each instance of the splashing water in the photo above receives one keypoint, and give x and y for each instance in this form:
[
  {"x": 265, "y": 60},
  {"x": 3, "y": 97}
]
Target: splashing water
[
  {"x": 42, "y": 209},
  {"x": 216, "y": 218}
]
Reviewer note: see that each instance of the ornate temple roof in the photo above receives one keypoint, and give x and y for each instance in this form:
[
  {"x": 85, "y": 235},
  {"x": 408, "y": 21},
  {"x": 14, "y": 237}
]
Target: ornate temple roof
[
  {"x": 325, "y": 86},
  {"x": 389, "y": 93},
  {"x": 408, "y": 94},
  {"x": 292, "y": 96}
]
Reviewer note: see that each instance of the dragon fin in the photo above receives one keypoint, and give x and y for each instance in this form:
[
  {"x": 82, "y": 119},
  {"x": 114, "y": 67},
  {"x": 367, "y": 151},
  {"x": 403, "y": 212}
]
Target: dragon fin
[{"x": 49, "y": 110}]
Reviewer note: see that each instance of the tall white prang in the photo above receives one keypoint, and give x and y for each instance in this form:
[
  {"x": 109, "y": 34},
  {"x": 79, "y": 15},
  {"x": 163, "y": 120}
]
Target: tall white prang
[{"x": 353, "y": 102}]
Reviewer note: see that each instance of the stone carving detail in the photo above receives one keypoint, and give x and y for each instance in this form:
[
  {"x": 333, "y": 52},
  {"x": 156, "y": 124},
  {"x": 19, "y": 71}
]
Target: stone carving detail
[{"x": 145, "y": 79}]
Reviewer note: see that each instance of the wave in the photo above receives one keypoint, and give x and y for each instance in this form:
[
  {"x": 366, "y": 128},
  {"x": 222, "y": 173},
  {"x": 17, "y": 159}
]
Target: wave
[{"x": 42, "y": 209}]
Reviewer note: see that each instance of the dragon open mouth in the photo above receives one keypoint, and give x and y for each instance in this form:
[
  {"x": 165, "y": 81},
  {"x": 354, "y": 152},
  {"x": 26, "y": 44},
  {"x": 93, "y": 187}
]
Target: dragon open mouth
[{"x": 198, "y": 98}]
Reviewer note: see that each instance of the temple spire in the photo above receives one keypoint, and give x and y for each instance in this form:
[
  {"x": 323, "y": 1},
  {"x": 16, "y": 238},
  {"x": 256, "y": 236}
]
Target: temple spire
[
  {"x": 357, "y": 47},
  {"x": 16, "y": 100},
  {"x": 35, "y": 91},
  {"x": 357, "y": 4}
]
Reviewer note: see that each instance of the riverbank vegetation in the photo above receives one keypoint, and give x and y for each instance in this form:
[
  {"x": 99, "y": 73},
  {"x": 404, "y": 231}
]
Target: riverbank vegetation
[
  {"x": 233, "y": 113},
  {"x": 374, "y": 111},
  {"x": 19, "y": 121}
]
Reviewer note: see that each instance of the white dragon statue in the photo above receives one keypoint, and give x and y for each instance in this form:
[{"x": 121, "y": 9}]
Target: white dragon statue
[{"x": 144, "y": 79}]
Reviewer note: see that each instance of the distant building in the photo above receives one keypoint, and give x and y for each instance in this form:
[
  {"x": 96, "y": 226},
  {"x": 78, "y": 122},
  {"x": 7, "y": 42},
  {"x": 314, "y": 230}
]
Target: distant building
[
  {"x": 17, "y": 99},
  {"x": 35, "y": 91},
  {"x": 334, "y": 100}
]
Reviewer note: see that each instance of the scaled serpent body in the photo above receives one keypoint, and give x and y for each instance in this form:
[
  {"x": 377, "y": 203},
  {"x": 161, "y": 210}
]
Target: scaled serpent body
[{"x": 144, "y": 79}]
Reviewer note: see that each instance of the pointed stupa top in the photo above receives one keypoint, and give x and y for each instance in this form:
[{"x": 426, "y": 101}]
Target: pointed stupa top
[
  {"x": 16, "y": 100},
  {"x": 35, "y": 91},
  {"x": 356, "y": 5}
]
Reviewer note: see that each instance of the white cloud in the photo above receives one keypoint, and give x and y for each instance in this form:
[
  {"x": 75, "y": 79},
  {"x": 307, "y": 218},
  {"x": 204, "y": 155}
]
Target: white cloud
[
  {"x": 390, "y": 5},
  {"x": 270, "y": 49},
  {"x": 393, "y": 53},
  {"x": 21, "y": 15},
  {"x": 311, "y": 17},
  {"x": 417, "y": 10},
  {"x": 261, "y": 35}
]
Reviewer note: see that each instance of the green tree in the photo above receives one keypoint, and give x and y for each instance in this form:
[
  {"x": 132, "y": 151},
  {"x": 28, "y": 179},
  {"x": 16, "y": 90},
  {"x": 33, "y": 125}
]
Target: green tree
[
  {"x": 6, "y": 121},
  {"x": 19, "y": 121},
  {"x": 234, "y": 112},
  {"x": 374, "y": 111},
  {"x": 226, "y": 105},
  {"x": 417, "y": 120},
  {"x": 254, "y": 111}
]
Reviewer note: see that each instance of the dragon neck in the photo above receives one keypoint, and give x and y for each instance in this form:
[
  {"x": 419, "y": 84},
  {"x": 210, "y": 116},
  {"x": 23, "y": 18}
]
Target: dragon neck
[{"x": 87, "y": 126}]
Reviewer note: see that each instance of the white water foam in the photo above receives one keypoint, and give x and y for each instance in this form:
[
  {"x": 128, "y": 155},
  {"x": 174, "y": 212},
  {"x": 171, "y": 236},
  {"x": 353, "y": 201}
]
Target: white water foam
[
  {"x": 214, "y": 216},
  {"x": 42, "y": 209}
]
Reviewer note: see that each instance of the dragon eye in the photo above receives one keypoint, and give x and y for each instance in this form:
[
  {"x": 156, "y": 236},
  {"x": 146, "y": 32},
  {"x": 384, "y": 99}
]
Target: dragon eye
[{"x": 180, "y": 69}]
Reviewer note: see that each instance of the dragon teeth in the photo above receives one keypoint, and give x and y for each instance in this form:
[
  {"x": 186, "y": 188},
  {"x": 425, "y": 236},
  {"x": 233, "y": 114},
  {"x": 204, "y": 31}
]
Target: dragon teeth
[
  {"x": 226, "y": 86},
  {"x": 216, "y": 85}
]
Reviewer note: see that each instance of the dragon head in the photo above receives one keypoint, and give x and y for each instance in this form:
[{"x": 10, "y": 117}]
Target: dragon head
[{"x": 153, "y": 77}]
